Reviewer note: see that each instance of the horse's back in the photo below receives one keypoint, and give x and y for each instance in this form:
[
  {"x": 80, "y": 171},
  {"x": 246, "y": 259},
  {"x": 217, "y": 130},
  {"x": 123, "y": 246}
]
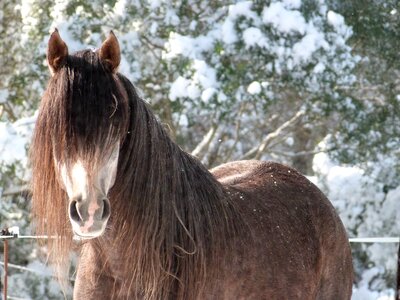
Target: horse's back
[{"x": 294, "y": 245}]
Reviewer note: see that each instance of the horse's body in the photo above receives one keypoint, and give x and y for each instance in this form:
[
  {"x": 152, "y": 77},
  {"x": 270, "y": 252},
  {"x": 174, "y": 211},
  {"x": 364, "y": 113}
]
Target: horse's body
[
  {"x": 244, "y": 230},
  {"x": 295, "y": 246}
]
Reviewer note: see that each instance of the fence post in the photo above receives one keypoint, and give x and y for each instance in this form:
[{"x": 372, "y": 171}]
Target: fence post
[
  {"x": 5, "y": 269},
  {"x": 397, "y": 294}
]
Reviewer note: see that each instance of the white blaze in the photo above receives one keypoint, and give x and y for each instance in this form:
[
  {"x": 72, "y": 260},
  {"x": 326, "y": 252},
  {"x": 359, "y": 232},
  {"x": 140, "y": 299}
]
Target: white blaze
[
  {"x": 76, "y": 183},
  {"x": 76, "y": 180}
]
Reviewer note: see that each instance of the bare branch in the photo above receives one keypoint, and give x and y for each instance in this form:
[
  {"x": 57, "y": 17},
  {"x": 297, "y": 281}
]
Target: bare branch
[
  {"x": 213, "y": 149},
  {"x": 303, "y": 153},
  {"x": 8, "y": 109},
  {"x": 205, "y": 142},
  {"x": 237, "y": 131},
  {"x": 17, "y": 190},
  {"x": 256, "y": 152}
]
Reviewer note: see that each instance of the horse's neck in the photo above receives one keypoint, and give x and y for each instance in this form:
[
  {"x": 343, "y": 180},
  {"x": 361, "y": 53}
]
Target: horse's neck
[{"x": 164, "y": 163}]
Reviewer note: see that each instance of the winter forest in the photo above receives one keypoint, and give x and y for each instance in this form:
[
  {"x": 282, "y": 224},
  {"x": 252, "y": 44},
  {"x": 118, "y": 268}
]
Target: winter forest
[{"x": 314, "y": 84}]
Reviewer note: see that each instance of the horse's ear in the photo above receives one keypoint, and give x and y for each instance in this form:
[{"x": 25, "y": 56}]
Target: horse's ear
[
  {"x": 109, "y": 53},
  {"x": 57, "y": 52}
]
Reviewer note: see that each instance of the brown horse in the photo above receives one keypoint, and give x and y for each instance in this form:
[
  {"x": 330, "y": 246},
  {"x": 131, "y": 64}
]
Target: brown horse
[{"x": 153, "y": 222}]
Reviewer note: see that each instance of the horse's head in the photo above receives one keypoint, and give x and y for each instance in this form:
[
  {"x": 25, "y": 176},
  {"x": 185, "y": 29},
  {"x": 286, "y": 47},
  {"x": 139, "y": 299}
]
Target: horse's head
[{"x": 84, "y": 115}]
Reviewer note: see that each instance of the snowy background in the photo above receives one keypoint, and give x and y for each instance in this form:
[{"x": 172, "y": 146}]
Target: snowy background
[{"x": 311, "y": 84}]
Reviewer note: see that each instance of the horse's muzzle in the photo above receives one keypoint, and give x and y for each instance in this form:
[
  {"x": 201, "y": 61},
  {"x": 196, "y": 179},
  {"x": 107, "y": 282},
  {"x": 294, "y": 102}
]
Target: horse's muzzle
[{"x": 89, "y": 217}]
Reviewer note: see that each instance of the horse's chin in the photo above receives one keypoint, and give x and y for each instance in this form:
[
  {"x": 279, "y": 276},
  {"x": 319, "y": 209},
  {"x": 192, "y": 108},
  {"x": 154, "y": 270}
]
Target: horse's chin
[
  {"x": 88, "y": 230},
  {"x": 87, "y": 236}
]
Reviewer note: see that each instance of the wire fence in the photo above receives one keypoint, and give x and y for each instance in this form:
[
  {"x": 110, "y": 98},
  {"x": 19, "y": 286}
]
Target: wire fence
[{"x": 369, "y": 240}]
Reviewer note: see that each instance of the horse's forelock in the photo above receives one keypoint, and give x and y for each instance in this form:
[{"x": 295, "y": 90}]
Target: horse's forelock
[{"x": 87, "y": 105}]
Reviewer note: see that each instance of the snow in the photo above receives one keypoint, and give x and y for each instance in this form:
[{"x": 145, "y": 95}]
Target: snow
[
  {"x": 154, "y": 4},
  {"x": 242, "y": 8},
  {"x": 178, "y": 44},
  {"x": 183, "y": 121},
  {"x": 337, "y": 21},
  {"x": 294, "y": 42},
  {"x": 254, "y": 88},
  {"x": 294, "y": 4},
  {"x": 319, "y": 68},
  {"x": 41, "y": 284},
  {"x": 179, "y": 88},
  {"x": 120, "y": 7},
  {"x": 193, "y": 25},
  {"x": 289, "y": 141},
  {"x": 13, "y": 138},
  {"x": 207, "y": 94},
  {"x": 283, "y": 19},
  {"x": 229, "y": 35},
  {"x": 171, "y": 18},
  {"x": 222, "y": 97},
  {"x": 192, "y": 91},
  {"x": 364, "y": 293},
  {"x": 366, "y": 211},
  {"x": 348, "y": 189},
  {"x": 253, "y": 36},
  {"x": 310, "y": 43},
  {"x": 203, "y": 83},
  {"x": 182, "y": 88},
  {"x": 153, "y": 27},
  {"x": 204, "y": 74},
  {"x": 3, "y": 95}
]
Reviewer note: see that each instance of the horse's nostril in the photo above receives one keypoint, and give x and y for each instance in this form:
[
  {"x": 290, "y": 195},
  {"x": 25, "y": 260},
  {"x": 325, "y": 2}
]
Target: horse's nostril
[
  {"x": 73, "y": 211},
  {"x": 106, "y": 209}
]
